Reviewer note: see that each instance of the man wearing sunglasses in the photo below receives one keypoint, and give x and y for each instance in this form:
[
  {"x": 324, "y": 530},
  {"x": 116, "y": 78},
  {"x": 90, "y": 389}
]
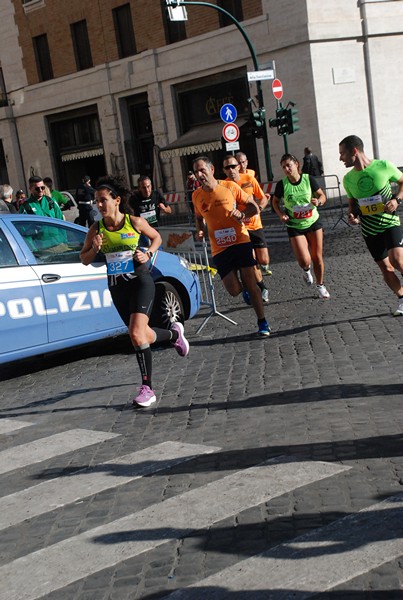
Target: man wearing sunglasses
[
  {"x": 38, "y": 203},
  {"x": 222, "y": 207},
  {"x": 254, "y": 225}
]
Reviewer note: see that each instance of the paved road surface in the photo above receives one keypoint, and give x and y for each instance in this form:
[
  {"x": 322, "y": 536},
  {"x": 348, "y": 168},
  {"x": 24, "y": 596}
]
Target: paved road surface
[{"x": 269, "y": 469}]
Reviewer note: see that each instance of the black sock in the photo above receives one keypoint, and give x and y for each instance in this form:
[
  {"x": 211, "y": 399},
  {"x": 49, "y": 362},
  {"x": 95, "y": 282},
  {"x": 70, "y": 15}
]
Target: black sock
[
  {"x": 261, "y": 320},
  {"x": 261, "y": 285},
  {"x": 144, "y": 359}
]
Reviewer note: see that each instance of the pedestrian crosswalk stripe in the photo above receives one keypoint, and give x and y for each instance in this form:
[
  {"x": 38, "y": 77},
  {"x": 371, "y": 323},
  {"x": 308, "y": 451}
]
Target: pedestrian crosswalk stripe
[
  {"x": 105, "y": 546},
  {"x": 9, "y": 425},
  {"x": 49, "y": 447},
  {"x": 52, "y": 494},
  {"x": 313, "y": 563}
]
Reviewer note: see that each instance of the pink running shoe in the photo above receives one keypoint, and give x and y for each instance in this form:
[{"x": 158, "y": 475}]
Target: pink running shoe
[
  {"x": 145, "y": 397},
  {"x": 181, "y": 345}
]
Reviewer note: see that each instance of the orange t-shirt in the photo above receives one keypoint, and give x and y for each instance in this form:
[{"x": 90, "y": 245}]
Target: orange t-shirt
[
  {"x": 251, "y": 186},
  {"x": 215, "y": 207}
]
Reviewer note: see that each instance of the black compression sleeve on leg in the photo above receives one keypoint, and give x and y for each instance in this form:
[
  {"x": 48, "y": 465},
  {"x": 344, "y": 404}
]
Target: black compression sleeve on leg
[
  {"x": 144, "y": 359},
  {"x": 163, "y": 335}
]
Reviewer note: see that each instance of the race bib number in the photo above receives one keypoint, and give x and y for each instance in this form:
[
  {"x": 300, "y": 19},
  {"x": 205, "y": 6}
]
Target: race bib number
[
  {"x": 302, "y": 211},
  {"x": 119, "y": 262},
  {"x": 225, "y": 237},
  {"x": 150, "y": 216},
  {"x": 372, "y": 205}
]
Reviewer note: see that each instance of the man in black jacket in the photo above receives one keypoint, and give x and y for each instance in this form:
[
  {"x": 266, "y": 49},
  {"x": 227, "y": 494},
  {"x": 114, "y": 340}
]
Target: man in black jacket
[
  {"x": 85, "y": 196},
  {"x": 311, "y": 164}
]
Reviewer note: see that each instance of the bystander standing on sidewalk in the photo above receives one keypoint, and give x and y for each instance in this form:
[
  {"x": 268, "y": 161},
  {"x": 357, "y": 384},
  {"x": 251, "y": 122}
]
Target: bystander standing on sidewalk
[{"x": 6, "y": 194}]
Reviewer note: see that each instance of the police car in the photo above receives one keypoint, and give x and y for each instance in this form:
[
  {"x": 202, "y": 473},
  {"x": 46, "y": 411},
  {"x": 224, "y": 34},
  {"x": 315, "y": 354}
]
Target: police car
[{"x": 50, "y": 301}]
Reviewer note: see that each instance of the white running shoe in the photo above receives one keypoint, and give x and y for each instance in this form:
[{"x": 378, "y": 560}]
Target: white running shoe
[
  {"x": 323, "y": 293},
  {"x": 265, "y": 295},
  {"x": 399, "y": 311},
  {"x": 307, "y": 276}
]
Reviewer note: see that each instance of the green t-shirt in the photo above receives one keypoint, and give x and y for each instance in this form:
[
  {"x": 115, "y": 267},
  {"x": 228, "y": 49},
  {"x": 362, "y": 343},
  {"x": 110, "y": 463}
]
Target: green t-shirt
[
  {"x": 58, "y": 196},
  {"x": 297, "y": 203},
  {"x": 370, "y": 188}
]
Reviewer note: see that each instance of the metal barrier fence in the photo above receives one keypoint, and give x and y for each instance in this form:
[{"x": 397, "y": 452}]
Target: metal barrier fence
[
  {"x": 332, "y": 213},
  {"x": 333, "y": 210},
  {"x": 180, "y": 241}
]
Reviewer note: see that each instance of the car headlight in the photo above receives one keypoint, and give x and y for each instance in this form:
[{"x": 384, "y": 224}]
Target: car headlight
[{"x": 185, "y": 263}]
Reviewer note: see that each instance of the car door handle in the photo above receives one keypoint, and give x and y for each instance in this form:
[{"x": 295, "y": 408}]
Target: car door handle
[{"x": 49, "y": 277}]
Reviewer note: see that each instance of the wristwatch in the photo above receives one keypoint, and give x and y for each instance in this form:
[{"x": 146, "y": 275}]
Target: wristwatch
[
  {"x": 150, "y": 254},
  {"x": 399, "y": 200}
]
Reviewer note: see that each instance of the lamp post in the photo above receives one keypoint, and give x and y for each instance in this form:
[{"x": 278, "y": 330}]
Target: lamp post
[{"x": 178, "y": 3}]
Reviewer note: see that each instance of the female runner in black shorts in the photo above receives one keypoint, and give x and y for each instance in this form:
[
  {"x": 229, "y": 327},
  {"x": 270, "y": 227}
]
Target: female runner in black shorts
[{"x": 129, "y": 280}]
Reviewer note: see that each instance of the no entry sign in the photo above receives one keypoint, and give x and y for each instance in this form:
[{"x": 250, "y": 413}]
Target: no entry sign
[{"x": 277, "y": 88}]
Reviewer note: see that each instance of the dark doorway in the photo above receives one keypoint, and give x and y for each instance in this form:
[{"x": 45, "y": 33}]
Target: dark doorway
[
  {"x": 3, "y": 165},
  {"x": 139, "y": 147},
  {"x": 77, "y": 146}
]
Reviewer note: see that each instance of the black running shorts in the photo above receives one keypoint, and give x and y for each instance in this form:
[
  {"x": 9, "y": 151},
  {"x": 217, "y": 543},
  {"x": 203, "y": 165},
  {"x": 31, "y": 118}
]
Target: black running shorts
[
  {"x": 133, "y": 296},
  {"x": 380, "y": 244},
  {"x": 233, "y": 258}
]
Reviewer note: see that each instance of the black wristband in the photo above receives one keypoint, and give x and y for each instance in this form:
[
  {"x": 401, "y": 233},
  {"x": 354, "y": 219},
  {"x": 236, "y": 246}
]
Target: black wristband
[{"x": 150, "y": 254}]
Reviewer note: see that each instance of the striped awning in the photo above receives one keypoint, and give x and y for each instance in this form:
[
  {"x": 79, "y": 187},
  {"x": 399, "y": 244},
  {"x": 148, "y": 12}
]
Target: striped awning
[
  {"x": 197, "y": 140},
  {"x": 82, "y": 154}
]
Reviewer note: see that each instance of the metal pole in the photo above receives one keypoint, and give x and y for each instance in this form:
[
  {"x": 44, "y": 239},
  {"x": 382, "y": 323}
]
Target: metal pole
[{"x": 255, "y": 65}]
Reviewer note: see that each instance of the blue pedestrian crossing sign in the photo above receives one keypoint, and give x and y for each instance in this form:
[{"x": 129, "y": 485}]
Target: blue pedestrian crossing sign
[{"x": 228, "y": 113}]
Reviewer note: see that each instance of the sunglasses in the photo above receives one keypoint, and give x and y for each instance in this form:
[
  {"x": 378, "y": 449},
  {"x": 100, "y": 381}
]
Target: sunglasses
[
  {"x": 38, "y": 188},
  {"x": 231, "y": 167}
]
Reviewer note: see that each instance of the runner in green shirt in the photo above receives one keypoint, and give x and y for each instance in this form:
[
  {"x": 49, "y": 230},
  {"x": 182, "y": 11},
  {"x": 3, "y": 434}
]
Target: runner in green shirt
[
  {"x": 301, "y": 196},
  {"x": 373, "y": 206}
]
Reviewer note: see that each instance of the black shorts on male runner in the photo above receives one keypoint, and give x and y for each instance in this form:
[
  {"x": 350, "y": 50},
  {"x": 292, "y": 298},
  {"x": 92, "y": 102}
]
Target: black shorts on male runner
[
  {"x": 380, "y": 244},
  {"x": 233, "y": 258},
  {"x": 293, "y": 232},
  {"x": 257, "y": 238}
]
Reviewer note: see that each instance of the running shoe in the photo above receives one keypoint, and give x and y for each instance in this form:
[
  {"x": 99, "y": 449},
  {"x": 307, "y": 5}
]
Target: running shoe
[
  {"x": 322, "y": 291},
  {"x": 264, "y": 329},
  {"x": 181, "y": 345},
  {"x": 246, "y": 297},
  {"x": 145, "y": 397},
  {"x": 265, "y": 270},
  {"x": 307, "y": 276},
  {"x": 399, "y": 311},
  {"x": 265, "y": 295}
]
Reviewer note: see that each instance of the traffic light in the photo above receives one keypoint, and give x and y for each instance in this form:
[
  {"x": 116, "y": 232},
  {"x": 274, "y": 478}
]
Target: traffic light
[
  {"x": 281, "y": 121},
  {"x": 286, "y": 121},
  {"x": 292, "y": 120},
  {"x": 256, "y": 123}
]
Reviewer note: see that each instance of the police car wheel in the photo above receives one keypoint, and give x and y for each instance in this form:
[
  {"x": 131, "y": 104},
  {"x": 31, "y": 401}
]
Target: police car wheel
[{"x": 168, "y": 306}]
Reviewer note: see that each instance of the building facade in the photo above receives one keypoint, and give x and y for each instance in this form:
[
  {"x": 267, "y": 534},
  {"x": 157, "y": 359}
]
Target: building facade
[{"x": 115, "y": 86}]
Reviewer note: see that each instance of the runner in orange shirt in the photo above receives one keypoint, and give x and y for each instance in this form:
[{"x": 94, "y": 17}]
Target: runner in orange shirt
[
  {"x": 243, "y": 161},
  {"x": 254, "y": 225},
  {"x": 223, "y": 206}
]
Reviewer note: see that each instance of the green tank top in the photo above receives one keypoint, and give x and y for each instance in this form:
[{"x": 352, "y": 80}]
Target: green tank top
[
  {"x": 126, "y": 238},
  {"x": 297, "y": 203}
]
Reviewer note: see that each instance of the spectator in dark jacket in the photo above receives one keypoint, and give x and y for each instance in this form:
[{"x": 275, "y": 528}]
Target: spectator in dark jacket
[
  {"x": 85, "y": 196},
  {"x": 6, "y": 194},
  {"x": 311, "y": 164}
]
